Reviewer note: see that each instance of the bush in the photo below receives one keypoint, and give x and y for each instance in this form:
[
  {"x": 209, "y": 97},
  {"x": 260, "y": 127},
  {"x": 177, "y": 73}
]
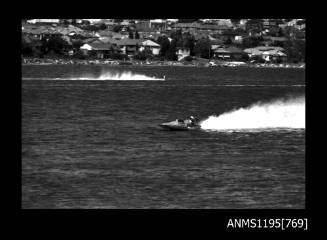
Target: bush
[
  {"x": 245, "y": 57},
  {"x": 79, "y": 55},
  {"x": 188, "y": 58},
  {"x": 26, "y": 49},
  {"x": 117, "y": 56},
  {"x": 140, "y": 56}
]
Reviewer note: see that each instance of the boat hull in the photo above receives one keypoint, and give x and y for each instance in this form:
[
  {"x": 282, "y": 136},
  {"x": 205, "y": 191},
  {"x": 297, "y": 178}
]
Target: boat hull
[{"x": 177, "y": 127}]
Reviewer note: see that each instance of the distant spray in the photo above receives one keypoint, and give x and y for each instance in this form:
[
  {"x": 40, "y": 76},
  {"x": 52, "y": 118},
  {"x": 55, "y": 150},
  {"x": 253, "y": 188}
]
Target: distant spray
[
  {"x": 126, "y": 76},
  {"x": 118, "y": 76},
  {"x": 282, "y": 113}
]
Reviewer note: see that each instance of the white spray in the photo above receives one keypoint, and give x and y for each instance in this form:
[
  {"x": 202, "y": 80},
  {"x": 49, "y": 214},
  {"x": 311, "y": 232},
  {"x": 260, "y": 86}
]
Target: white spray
[
  {"x": 277, "y": 114},
  {"x": 126, "y": 75},
  {"x": 122, "y": 76}
]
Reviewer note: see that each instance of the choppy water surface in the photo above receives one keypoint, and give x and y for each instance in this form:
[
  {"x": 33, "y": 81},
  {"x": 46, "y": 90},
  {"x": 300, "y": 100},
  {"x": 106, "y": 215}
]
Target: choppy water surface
[{"x": 97, "y": 144}]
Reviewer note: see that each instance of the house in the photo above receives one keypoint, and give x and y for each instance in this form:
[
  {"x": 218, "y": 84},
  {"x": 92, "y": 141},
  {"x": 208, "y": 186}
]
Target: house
[
  {"x": 182, "y": 52},
  {"x": 40, "y": 31},
  {"x": 110, "y": 34},
  {"x": 170, "y": 21},
  {"x": 70, "y": 30},
  {"x": 152, "y": 46},
  {"x": 228, "y": 53},
  {"x": 34, "y": 43},
  {"x": 270, "y": 23},
  {"x": 185, "y": 26},
  {"x": 267, "y": 53},
  {"x": 100, "y": 50},
  {"x": 220, "y": 28},
  {"x": 194, "y": 27},
  {"x": 158, "y": 24},
  {"x": 228, "y": 34},
  {"x": 125, "y": 23},
  {"x": 297, "y": 23},
  {"x": 215, "y": 43},
  {"x": 269, "y": 40},
  {"x": 273, "y": 55},
  {"x": 143, "y": 26},
  {"x": 238, "y": 39},
  {"x": 127, "y": 46},
  {"x": 107, "y": 22}
]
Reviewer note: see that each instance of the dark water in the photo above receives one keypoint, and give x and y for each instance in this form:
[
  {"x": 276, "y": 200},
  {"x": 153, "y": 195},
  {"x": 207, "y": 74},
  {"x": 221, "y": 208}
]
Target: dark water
[{"x": 96, "y": 144}]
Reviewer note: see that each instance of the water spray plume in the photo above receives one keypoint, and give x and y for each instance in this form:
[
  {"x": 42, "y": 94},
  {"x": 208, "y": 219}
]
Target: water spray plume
[
  {"x": 277, "y": 114},
  {"x": 123, "y": 76}
]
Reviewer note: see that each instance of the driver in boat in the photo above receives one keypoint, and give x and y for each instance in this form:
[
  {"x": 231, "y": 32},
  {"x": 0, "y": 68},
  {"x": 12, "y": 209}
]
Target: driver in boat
[{"x": 190, "y": 121}]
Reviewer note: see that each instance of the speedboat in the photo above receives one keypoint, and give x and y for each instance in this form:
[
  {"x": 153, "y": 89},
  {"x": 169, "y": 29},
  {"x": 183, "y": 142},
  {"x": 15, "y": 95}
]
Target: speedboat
[{"x": 180, "y": 124}]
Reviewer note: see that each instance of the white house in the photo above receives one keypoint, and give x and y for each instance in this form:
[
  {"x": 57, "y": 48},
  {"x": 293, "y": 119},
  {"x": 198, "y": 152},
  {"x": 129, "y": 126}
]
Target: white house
[
  {"x": 100, "y": 49},
  {"x": 267, "y": 53},
  {"x": 148, "y": 44}
]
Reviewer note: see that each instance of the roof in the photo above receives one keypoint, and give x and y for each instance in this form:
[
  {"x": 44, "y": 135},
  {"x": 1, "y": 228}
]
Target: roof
[
  {"x": 90, "y": 39},
  {"x": 216, "y": 42},
  {"x": 268, "y": 48},
  {"x": 106, "y": 33},
  {"x": 128, "y": 42},
  {"x": 98, "y": 46},
  {"x": 37, "y": 30},
  {"x": 221, "y": 50},
  {"x": 186, "y": 25},
  {"x": 229, "y": 50},
  {"x": 214, "y": 27},
  {"x": 202, "y": 26},
  {"x": 150, "y": 43},
  {"x": 234, "y": 50},
  {"x": 279, "y": 39},
  {"x": 265, "y": 50},
  {"x": 274, "y": 53}
]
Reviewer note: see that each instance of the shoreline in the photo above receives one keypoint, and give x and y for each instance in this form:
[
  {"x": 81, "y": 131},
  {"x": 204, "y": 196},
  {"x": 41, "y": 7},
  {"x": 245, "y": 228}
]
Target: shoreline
[{"x": 60, "y": 61}]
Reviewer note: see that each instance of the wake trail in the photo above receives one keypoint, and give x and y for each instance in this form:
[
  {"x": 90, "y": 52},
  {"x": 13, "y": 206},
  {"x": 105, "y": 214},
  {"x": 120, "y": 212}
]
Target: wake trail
[
  {"x": 289, "y": 113},
  {"x": 105, "y": 76}
]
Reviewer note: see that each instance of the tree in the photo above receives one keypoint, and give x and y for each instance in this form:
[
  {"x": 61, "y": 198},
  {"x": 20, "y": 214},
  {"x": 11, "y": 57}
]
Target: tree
[
  {"x": 137, "y": 35},
  {"x": 176, "y": 34},
  {"x": 188, "y": 41},
  {"x": 117, "y": 28},
  {"x": 203, "y": 48},
  {"x": 188, "y": 58},
  {"x": 90, "y": 28},
  {"x": 187, "y": 20},
  {"x": 26, "y": 49},
  {"x": 171, "y": 52},
  {"x": 228, "y": 41},
  {"x": 102, "y": 26},
  {"x": 56, "y": 44},
  {"x": 77, "y": 44},
  {"x": 79, "y": 55},
  {"x": 295, "y": 50},
  {"x": 164, "y": 45},
  {"x": 235, "y": 20},
  {"x": 130, "y": 35},
  {"x": 140, "y": 56},
  {"x": 250, "y": 42},
  {"x": 245, "y": 57}
]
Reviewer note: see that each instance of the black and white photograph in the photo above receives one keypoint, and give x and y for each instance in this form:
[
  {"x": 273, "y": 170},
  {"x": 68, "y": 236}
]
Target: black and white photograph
[{"x": 163, "y": 114}]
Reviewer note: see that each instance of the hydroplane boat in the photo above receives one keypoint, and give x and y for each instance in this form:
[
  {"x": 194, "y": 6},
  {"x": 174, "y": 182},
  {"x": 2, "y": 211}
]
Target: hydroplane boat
[{"x": 180, "y": 124}]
